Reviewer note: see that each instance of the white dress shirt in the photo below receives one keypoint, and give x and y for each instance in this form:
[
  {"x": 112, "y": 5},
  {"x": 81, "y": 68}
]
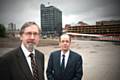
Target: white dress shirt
[
  {"x": 27, "y": 53},
  {"x": 66, "y": 57}
]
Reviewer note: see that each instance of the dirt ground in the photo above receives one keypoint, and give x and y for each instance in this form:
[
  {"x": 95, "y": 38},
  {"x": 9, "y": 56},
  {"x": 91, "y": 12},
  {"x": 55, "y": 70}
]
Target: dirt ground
[{"x": 14, "y": 42}]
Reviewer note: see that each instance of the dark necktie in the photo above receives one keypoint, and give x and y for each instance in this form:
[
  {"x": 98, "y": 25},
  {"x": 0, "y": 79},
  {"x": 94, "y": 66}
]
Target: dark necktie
[
  {"x": 63, "y": 63},
  {"x": 34, "y": 67}
]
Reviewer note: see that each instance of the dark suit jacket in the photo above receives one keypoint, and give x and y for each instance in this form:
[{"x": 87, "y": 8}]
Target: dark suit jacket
[
  {"x": 73, "y": 70},
  {"x": 14, "y": 66}
]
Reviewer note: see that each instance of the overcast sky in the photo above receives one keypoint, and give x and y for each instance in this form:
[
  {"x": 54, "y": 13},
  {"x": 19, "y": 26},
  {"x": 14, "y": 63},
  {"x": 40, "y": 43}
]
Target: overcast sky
[{"x": 89, "y": 11}]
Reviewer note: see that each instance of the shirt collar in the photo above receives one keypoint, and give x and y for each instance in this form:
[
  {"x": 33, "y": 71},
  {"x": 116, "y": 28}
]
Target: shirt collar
[
  {"x": 25, "y": 51},
  {"x": 66, "y": 54}
]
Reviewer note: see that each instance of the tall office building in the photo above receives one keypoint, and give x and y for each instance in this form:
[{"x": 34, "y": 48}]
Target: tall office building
[
  {"x": 11, "y": 27},
  {"x": 51, "y": 21}
]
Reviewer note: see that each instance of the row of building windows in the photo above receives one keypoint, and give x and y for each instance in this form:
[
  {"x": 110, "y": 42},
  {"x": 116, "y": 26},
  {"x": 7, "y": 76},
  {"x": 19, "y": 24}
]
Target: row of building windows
[{"x": 95, "y": 29}]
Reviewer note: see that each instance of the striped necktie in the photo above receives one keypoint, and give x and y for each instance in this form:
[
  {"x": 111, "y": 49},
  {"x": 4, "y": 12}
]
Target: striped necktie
[{"x": 34, "y": 67}]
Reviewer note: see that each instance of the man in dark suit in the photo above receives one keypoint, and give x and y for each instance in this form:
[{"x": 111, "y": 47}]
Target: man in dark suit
[
  {"x": 18, "y": 64},
  {"x": 64, "y": 64}
]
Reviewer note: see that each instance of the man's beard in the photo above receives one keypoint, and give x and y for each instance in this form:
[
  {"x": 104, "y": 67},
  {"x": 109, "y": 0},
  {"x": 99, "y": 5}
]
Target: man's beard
[{"x": 30, "y": 46}]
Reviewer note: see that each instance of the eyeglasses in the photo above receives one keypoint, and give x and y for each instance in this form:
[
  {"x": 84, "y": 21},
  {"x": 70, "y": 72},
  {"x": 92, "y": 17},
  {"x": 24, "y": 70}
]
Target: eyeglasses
[{"x": 30, "y": 33}]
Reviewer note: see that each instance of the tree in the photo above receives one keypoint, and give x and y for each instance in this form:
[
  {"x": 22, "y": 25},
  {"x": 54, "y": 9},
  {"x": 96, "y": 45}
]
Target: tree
[{"x": 2, "y": 30}]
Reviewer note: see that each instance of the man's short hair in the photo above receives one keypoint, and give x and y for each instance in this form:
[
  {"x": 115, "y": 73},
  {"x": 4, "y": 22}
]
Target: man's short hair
[
  {"x": 27, "y": 24},
  {"x": 64, "y": 34}
]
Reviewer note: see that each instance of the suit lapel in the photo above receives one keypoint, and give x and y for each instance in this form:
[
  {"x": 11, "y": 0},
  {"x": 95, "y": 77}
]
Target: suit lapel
[
  {"x": 24, "y": 65},
  {"x": 69, "y": 62},
  {"x": 57, "y": 60},
  {"x": 38, "y": 61}
]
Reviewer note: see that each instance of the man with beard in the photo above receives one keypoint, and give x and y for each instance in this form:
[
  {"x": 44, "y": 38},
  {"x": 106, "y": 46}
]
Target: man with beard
[
  {"x": 24, "y": 62},
  {"x": 65, "y": 64}
]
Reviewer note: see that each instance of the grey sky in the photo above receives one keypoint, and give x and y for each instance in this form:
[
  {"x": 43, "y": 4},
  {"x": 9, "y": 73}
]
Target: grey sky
[{"x": 89, "y": 11}]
